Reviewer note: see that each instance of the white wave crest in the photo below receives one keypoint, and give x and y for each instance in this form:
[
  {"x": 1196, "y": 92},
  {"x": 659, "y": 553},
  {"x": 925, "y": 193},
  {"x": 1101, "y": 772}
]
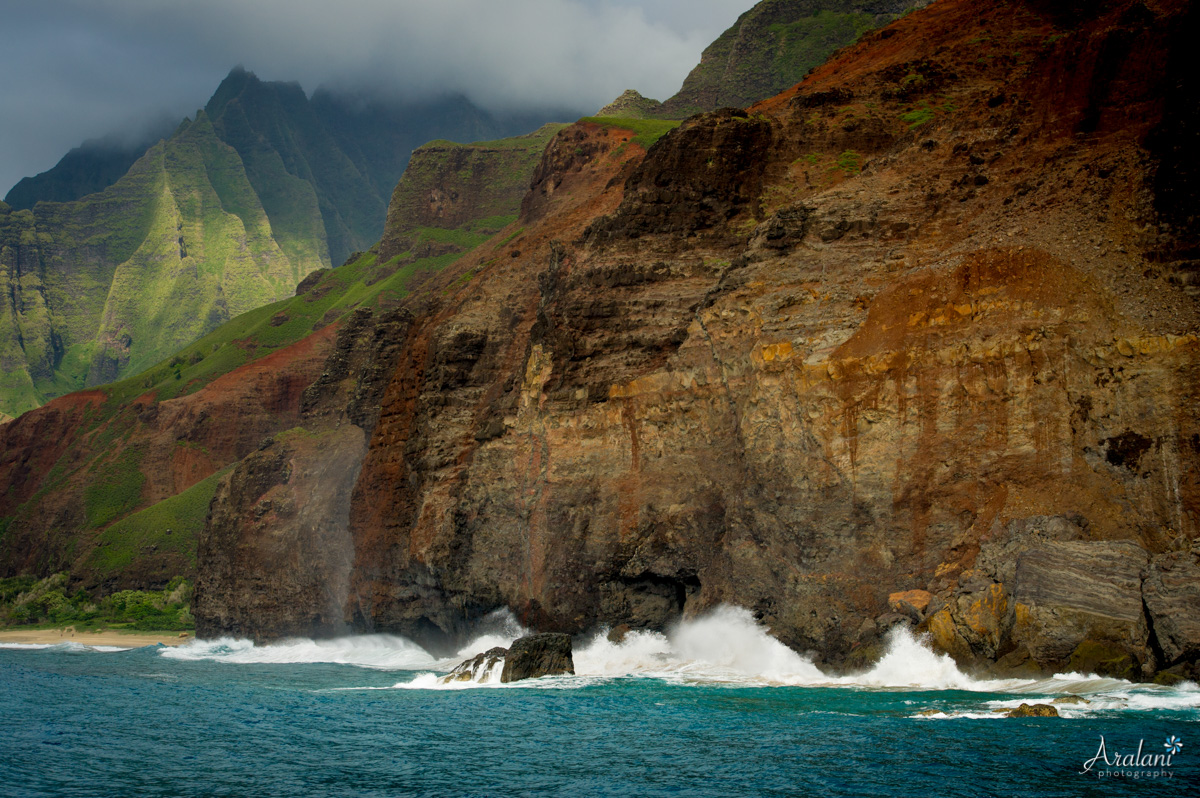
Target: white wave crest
[
  {"x": 725, "y": 646},
  {"x": 384, "y": 652},
  {"x": 910, "y": 663},
  {"x": 69, "y": 645},
  {"x": 497, "y": 630},
  {"x": 728, "y": 645},
  {"x": 379, "y": 651}
]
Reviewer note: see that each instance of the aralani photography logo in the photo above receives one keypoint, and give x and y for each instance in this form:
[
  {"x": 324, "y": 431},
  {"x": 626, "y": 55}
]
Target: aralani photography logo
[{"x": 1140, "y": 765}]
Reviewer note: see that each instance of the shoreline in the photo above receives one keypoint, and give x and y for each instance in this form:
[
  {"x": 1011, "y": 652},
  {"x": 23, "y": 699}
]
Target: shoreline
[{"x": 110, "y": 637}]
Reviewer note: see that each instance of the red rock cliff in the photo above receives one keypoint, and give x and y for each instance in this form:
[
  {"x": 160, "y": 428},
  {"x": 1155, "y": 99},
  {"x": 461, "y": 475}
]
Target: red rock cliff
[{"x": 924, "y": 325}]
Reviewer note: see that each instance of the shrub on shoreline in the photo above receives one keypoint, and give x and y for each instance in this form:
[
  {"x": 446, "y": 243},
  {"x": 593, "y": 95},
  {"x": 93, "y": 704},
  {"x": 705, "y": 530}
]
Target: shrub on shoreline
[{"x": 27, "y": 601}]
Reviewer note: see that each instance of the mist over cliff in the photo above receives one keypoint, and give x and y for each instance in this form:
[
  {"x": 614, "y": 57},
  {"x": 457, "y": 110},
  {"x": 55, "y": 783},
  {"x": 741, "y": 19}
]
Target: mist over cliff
[{"x": 83, "y": 68}]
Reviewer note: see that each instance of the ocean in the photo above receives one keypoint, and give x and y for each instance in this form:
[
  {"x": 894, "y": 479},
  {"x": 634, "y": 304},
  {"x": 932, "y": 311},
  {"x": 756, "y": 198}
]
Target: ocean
[{"x": 716, "y": 707}]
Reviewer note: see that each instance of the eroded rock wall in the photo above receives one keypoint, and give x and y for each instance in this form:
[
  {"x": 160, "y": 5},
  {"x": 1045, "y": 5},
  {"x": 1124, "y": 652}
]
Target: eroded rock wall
[{"x": 914, "y": 326}]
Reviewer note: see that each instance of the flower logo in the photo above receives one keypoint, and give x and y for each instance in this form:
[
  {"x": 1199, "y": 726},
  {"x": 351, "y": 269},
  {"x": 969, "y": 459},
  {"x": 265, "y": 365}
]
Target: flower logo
[{"x": 1173, "y": 744}]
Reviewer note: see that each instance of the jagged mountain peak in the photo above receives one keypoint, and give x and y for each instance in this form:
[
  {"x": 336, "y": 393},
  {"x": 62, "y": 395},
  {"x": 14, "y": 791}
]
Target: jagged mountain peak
[{"x": 630, "y": 105}]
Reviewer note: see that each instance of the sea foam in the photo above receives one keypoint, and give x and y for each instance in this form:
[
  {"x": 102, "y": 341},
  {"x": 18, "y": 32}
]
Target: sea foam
[
  {"x": 66, "y": 646},
  {"x": 725, "y": 646},
  {"x": 385, "y": 652}
]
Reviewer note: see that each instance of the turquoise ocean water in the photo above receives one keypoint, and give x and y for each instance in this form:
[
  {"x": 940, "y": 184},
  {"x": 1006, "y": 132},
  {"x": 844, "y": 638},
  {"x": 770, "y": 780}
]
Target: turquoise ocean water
[{"x": 714, "y": 708}]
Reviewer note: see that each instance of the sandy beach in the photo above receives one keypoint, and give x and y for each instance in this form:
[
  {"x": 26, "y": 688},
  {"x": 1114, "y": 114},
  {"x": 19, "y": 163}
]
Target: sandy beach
[{"x": 88, "y": 638}]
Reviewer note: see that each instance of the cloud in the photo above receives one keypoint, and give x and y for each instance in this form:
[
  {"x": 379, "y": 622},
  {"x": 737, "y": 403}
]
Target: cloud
[{"x": 85, "y": 67}]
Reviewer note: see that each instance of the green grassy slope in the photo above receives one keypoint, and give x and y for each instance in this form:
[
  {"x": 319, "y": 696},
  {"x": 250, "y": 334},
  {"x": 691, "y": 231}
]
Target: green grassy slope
[
  {"x": 363, "y": 282},
  {"x": 771, "y": 47},
  {"x": 171, "y": 524},
  {"x": 646, "y": 131},
  {"x": 454, "y": 195}
]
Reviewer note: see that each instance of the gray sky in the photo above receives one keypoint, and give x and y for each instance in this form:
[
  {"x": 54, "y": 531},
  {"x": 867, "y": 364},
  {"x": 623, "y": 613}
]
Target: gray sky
[{"x": 78, "y": 69}]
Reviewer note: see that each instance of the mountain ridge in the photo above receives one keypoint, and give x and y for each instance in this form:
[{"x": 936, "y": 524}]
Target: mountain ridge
[
  {"x": 320, "y": 173},
  {"x": 770, "y": 48},
  {"x": 100, "y": 286}
]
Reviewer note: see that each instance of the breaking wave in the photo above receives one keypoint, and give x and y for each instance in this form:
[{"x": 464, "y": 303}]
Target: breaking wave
[
  {"x": 381, "y": 651},
  {"x": 384, "y": 652},
  {"x": 66, "y": 646},
  {"x": 723, "y": 647}
]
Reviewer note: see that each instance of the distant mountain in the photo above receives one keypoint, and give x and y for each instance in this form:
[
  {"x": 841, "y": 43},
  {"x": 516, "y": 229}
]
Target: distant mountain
[
  {"x": 350, "y": 150},
  {"x": 227, "y": 213},
  {"x": 104, "y": 286},
  {"x": 770, "y": 48},
  {"x": 93, "y": 166}
]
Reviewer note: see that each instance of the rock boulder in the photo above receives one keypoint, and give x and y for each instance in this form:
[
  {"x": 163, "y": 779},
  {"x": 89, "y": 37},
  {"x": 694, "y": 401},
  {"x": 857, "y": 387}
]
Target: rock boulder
[
  {"x": 538, "y": 655},
  {"x": 1172, "y": 594},
  {"x": 1033, "y": 711},
  {"x": 479, "y": 667}
]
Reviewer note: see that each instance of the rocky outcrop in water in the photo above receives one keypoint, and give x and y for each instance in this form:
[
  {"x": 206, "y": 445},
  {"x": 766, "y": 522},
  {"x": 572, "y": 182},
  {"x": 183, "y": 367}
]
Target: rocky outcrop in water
[
  {"x": 1171, "y": 592},
  {"x": 538, "y": 655},
  {"x": 529, "y": 657},
  {"x": 479, "y": 668}
]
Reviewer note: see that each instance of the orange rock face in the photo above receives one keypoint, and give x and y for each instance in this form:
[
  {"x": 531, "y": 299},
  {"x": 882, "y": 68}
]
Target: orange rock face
[{"x": 918, "y": 599}]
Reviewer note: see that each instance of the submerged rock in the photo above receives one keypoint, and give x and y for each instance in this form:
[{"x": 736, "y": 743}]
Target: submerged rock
[
  {"x": 1033, "y": 711},
  {"x": 538, "y": 655}
]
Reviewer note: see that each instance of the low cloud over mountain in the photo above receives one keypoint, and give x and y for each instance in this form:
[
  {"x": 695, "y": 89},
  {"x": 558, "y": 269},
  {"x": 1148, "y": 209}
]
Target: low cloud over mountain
[{"x": 79, "y": 68}]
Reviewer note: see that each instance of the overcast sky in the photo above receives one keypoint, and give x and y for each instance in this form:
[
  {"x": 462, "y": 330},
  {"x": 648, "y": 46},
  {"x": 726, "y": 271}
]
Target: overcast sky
[{"x": 78, "y": 69}]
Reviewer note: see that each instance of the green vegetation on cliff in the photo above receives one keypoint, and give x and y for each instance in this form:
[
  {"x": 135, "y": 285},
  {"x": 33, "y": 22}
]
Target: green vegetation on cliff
[
  {"x": 771, "y": 47},
  {"x": 111, "y": 283},
  {"x": 173, "y": 524},
  {"x": 111, "y": 534},
  {"x": 363, "y": 282},
  {"x": 224, "y": 215},
  {"x": 646, "y": 131},
  {"x": 454, "y": 196}
]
